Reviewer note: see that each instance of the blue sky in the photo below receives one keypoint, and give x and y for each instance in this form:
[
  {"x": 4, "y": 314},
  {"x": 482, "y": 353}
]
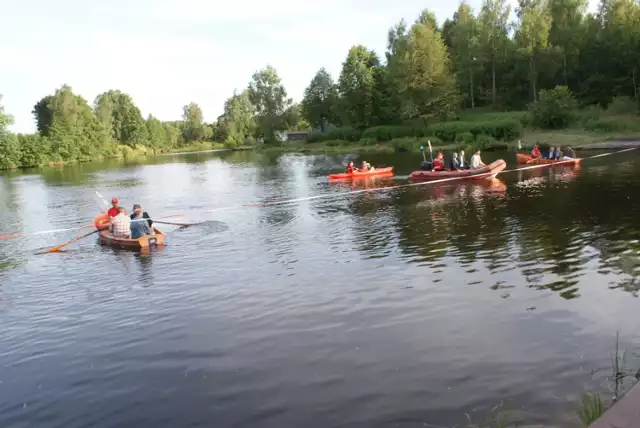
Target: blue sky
[{"x": 167, "y": 53}]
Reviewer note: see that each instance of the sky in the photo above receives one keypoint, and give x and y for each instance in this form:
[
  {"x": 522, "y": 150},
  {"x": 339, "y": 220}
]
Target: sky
[{"x": 168, "y": 53}]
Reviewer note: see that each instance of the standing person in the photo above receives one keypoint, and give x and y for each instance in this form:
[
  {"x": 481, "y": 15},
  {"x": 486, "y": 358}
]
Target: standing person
[
  {"x": 144, "y": 214},
  {"x": 138, "y": 225},
  {"x": 113, "y": 211},
  {"x": 121, "y": 224},
  {"x": 476, "y": 162},
  {"x": 455, "y": 164}
]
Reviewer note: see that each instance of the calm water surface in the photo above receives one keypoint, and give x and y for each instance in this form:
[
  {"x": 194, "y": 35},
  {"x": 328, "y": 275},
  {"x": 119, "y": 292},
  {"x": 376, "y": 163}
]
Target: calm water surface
[{"x": 400, "y": 308}]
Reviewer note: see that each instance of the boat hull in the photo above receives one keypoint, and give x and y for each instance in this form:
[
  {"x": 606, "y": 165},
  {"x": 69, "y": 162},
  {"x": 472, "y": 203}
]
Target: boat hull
[
  {"x": 486, "y": 172},
  {"x": 143, "y": 243},
  {"x": 524, "y": 159},
  {"x": 377, "y": 172}
]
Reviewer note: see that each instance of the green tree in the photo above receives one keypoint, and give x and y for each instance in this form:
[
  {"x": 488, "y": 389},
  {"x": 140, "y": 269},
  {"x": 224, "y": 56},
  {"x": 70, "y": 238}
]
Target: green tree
[
  {"x": 156, "y": 132},
  {"x": 118, "y": 115},
  {"x": 193, "y": 127},
  {"x": 493, "y": 37},
  {"x": 357, "y": 86},
  {"x": 9, "y": 147},
  {"x": 320, "y": 101},
  {"x": 567, "y": 32},
  {"x": 429, "y": 89},
  {"x": 268, "y": 95},
  {"x": 532, "y": 36},
  {"x": 464, "y": 48},
  {"x": 238, "y": 122}
]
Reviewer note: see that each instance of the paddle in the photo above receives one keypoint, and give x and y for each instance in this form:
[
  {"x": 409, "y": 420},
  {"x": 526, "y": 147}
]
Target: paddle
[
  {"x": 175, "y": 224},
  {"x": 57, "y": 249}
]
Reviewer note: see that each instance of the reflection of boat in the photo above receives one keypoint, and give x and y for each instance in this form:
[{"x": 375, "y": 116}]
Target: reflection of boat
[
  {"x": 364, "y": 182},
  {"x": 346, "y": 176},
  {"x": 143, "y": 243},
  {"x": 525, "y": 159},
  {"x": 488, "y": 171}
]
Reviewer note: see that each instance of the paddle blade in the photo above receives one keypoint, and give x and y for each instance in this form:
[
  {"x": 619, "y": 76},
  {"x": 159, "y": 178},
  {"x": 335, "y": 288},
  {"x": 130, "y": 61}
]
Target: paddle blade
[{"x": 59, "y": 247}]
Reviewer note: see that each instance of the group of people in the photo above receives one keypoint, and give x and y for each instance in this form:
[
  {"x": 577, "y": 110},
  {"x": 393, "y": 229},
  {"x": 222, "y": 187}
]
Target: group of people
[
  {"x": 122, "y": 226},
  {"x": 457, "y": 163},
  {"x": 554, "y": 153},
  {"x": 365, "y": 167}
]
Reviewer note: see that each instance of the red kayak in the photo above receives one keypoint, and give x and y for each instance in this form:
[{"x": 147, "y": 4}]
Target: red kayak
[
  {"x": 488, "y": 171},
  {"x": 378, "y": 171},
  {"x": 524, "y": 159}
]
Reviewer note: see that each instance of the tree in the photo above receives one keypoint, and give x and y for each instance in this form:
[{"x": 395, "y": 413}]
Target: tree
[
  {"x": 429, "y": 89},
  {"x": 493, "y": 36},
  {"x": 356, "y": 86},
  {"x": 193, "y": 127},
  {"x": 121, "y": 118},
  {"x": 320, "y": 101},
  {"x": 156, "y": 132},
  {"x": 532, "y": 35},
  {"x": 464, "y": 48},
  {"x": 267, "y": 93},
  {"x": 237, "y": 123},
  {"x": 566, "y": 33},
  {"x": 9, "y": 147}
]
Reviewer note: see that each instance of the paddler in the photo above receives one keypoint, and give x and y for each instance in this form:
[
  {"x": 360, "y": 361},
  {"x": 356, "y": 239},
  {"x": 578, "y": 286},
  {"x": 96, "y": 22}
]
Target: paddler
[
  {"x": 438, "y": 162},
  {"x": 476, "y": 161},
  {"x": 536, "y": 151},
  {"x": 113, "y": 211},
  {"x": 350, "y": 168}
]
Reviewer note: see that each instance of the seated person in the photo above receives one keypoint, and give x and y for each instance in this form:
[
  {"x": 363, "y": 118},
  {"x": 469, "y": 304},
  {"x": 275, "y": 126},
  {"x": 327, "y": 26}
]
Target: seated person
[
  {"x": 536, "y": 152},
  {"x": 120, "y": 224},
  {"x": 455, "y": 164},
  {"x": 139, "y": 225},
  {"x": 438, "y": 162}
]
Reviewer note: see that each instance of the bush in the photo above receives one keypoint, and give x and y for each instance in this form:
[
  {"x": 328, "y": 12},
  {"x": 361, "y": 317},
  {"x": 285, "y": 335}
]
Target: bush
[
  {"x": 554, "y": 108},
  {"x": 405, "y": 145},
  {"x": 335, "y": 143},
  {"x": 506, "y": 129},
  {"x": 388, "y": 133},
  {"x": 589, "y": 114},
  {"x": 622, "y": 105},
  {"x": 346, "y": 134},
  {"x": 465, "y": 137}
]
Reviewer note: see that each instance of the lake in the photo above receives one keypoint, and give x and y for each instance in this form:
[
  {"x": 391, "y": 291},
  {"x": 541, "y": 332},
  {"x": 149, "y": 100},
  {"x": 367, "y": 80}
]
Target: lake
[{"x": 408, "y": 307}]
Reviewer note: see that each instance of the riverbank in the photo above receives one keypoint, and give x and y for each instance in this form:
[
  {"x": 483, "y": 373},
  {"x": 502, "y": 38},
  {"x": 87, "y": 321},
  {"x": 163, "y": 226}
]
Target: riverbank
[{"x": 579, "y": 140}]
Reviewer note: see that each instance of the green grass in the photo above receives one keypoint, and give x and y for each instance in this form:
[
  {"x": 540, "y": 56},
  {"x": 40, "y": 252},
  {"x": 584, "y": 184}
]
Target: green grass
[{"x": 590, "y": 409}]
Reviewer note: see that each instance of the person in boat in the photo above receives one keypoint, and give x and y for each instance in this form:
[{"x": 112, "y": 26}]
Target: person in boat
[
  {"x": 138, "y": 225},
  {"x": 120, "y": 224},
  {"x": 535, "y": 153},
  {"x": 551, "y": 152},
  {"x": 461, "y": 161},
  {"x": 476, "y": 161},
  {"x": 113, "y": 211},
  {"x": 351, "y": 168},
  {"x": 455, "y": 164},
  {"x": 366, "y": 166},
  {"x": 145, "y": 214},
  {"x": 571, "y": 154},
  {"x": 557, "y": 155},
  {"x": 438, "y": 162}
]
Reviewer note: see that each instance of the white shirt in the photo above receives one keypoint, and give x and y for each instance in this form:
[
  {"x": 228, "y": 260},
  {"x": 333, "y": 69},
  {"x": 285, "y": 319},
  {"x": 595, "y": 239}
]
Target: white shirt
[{"x": 476, "y": 162}]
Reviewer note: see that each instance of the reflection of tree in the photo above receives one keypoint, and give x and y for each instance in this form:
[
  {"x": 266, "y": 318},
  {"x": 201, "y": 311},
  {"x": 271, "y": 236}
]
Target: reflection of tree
[{"x": 10, "y": 222}]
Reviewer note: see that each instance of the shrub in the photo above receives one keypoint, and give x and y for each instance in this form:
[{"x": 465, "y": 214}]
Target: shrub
[
  {"x": 387, "y": 133},
  {"x": 554, "y": 108},
  {"x": 334, "y": 143},
  {"x": 316, "y": 138},
  {"x": 506, "y": 129},
  {"x": 405, "y": 145},
  {"x": 465, "y": 137},
  {"x": 346, "y": 134},
  {"x": 622, "y": 105}
]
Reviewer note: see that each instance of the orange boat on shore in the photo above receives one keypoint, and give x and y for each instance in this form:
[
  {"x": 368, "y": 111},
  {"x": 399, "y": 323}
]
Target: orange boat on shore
[
  {"x": 357, "y": 174},
  {"x": 488, "y": 171},
  {"x": 525, "y": 159},
  {"x": 144, "y": 243}
]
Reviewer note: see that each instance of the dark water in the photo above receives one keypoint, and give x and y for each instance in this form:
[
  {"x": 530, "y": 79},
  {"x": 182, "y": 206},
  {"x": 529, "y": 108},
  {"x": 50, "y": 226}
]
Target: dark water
[{"x": 402, "y": 308}]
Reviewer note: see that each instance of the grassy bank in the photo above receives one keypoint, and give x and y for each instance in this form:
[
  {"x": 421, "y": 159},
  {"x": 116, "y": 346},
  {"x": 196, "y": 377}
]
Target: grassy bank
[
  {"x": 479, "y": 129},
  {"x": 197, "y": 147}
]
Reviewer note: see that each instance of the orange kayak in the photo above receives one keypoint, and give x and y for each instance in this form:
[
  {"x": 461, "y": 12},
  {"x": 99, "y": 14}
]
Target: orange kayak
[
  {"x": 488, "y": 171},
  {"x": 525, "y": 159},
  {"x": 143, "y": 243},
  {"x": 377, "y": 171}
]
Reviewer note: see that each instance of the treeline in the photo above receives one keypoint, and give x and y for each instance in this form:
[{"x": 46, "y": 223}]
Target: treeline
[
  {"x": 71, "y": 130},
  {"x": 430, "y": 71}
]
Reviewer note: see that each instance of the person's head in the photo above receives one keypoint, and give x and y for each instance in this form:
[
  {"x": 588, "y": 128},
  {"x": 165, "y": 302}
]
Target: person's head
[
  {"x": 350, "y": 163},
  {"x": 440, "y": 155},
  {"x": 461, "y": 152},
  {"x": 114, "y": 202},
  {"x": 455, "y": 155},
  {"x": 478, "y": 152},
  {"x": 137, "y": 210},
  {"x": 121, "y": 210}
]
